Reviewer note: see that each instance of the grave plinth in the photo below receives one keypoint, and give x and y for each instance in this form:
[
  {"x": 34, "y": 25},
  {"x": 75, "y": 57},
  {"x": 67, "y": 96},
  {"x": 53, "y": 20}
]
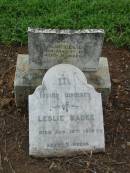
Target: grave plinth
[
  {"x": 27, "y": 79},
  {"x": 48, "y": 47}
]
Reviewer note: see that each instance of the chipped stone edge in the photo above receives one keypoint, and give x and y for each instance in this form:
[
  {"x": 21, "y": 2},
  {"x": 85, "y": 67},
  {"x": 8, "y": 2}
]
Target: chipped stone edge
[
  {"x": 66, "y": 153},
  {"x": 65, "y": 31}
]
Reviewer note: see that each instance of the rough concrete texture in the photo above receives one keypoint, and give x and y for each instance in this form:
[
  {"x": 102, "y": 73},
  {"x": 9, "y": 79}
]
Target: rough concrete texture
[{"x": 27, "y": 79}]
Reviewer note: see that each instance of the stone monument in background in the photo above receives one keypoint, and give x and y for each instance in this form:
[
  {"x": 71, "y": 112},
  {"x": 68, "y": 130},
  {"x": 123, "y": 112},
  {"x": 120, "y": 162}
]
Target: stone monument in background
[{"x": 48, "y": 47}]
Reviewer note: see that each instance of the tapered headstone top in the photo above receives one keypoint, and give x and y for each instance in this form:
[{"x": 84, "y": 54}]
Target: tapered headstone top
[{"x": 65, "y": 114}]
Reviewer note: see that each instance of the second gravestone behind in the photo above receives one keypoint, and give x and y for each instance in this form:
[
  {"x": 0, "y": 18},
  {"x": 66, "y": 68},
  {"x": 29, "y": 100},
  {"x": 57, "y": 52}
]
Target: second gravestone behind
[
  {"x": 48, "y": 47},
  {"x": 65, "y": 114}
]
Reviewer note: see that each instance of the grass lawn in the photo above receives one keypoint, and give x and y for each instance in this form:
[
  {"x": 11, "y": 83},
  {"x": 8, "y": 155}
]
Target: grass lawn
[{"x": 112, "y": 15}]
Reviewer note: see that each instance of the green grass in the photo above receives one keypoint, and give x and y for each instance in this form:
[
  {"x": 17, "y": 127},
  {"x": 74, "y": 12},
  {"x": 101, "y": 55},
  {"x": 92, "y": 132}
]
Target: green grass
[{"x": 111, "y": 15}]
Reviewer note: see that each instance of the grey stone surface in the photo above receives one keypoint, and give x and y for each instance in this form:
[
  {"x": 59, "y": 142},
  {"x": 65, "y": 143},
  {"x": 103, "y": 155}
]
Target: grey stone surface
[
  {"x": 48, "y": 47},
  {"x": 27, "y": 79},
  {"x": 65, "y": 115}
]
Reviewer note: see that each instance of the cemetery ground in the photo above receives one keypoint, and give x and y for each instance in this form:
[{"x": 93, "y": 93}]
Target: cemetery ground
[{"x": 14, "y": 156}]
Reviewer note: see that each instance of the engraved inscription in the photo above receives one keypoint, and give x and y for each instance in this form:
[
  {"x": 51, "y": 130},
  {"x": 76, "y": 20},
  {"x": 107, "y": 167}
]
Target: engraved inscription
[
  {"x": 62, "y": 51},
  {"x": 82, "y": 117},
  {"x": 71, "y": 131},
  {"x": 67, "y": 95},
  {"x": 76, "y": 117},
  {"x": 51, "y": 118},
  {"x": 64, "y": 80}
]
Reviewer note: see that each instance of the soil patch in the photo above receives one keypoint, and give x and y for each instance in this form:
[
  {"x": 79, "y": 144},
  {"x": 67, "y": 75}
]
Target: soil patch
[{"x": 14, "y": 156}]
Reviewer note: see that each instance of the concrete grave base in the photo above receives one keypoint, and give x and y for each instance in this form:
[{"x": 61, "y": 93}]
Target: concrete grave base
[{"x": 27, "y": 79}]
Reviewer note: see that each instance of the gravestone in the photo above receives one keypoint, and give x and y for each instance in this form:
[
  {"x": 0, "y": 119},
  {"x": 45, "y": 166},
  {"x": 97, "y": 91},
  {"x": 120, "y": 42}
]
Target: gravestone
[
  {"x": 48, "y": 47},
  {"x": 65, "y": 115}
]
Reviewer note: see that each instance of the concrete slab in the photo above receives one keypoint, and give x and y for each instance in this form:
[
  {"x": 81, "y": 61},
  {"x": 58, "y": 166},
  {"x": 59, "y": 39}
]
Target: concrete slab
[{"x": 27, "y": 79}]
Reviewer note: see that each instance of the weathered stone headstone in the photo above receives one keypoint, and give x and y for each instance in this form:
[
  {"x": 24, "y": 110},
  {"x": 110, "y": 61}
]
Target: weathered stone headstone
[
  {"x": 65, "y": 114},
  {"x": 48, "y": 47}
]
